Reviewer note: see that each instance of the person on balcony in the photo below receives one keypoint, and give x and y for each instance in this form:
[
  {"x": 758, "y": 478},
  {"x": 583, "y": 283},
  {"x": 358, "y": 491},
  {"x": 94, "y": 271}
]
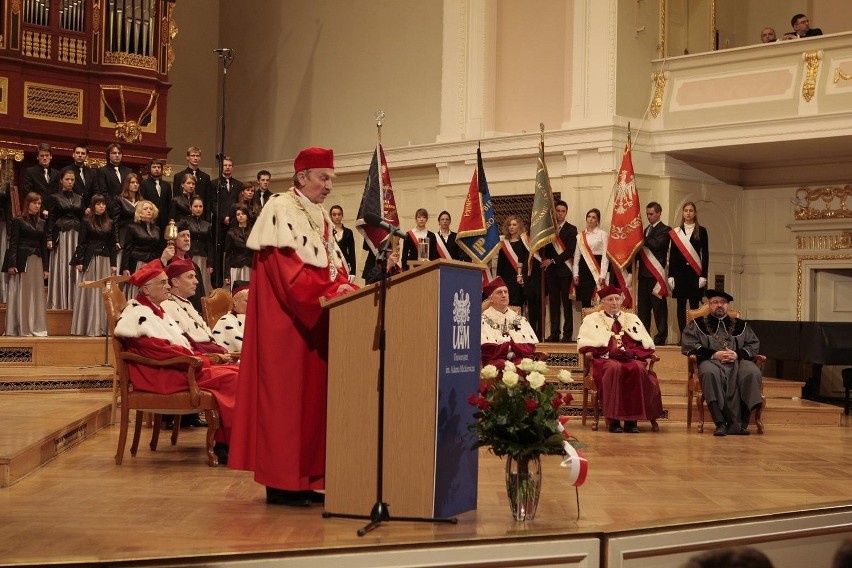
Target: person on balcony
[{"x": 801, "y": 28}]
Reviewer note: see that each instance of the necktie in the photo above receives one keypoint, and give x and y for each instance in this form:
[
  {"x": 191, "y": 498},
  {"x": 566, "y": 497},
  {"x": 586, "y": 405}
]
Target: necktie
[
  {"x": 47, "y": 175},
  {"x": 82, "y": 177},
  {"x": 117, "y": 173},
  {"x": 157, "y": 185},
  {"x": 228, "y": 185}
]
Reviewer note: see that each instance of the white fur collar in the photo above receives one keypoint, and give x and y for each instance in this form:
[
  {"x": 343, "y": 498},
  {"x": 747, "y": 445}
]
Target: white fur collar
[
  {"x": 187, "y": 318},
  {"x": 595, "y": 330},
  {"x": 138, "y": 320},
  {"x": 283, "y": 222}
]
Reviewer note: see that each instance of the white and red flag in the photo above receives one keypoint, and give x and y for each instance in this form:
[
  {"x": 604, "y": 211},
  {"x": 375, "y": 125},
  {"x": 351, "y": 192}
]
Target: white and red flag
[{"x": 625, "y": 231}]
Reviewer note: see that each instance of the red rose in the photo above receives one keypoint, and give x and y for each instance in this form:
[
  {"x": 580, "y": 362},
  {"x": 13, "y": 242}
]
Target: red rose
[
  {"x": 473, "y": 400},
  {"x": 530, "y": 405},
  {"x": 483, "y": 404},
  {"x": 556, "y": 402}
]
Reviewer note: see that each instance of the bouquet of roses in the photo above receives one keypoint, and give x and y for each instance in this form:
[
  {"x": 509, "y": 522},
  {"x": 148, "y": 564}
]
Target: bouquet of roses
[{"x": 518, "y": 411}]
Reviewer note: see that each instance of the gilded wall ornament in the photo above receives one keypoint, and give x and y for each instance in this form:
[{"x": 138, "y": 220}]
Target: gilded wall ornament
[
  {"x": 840, "y": 74},
  {"x": 811, "y": 59},
  {"x": 833, "y": 200},
  {"x": 659, "y": 89}
]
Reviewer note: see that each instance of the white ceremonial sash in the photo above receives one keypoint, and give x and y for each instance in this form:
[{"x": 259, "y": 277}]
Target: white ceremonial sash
[
  {"x": 661, "y": 288},
  {"x": 591, "y": 261},
  {"x": 560, "y": 247},
  {"x": 525, "y": 238},
  {"x": 687, "y": 250},
  {"x": 443, "y": 252},
  {"x": 511, "y": 255},
  {"x": 415, "y": 239}
]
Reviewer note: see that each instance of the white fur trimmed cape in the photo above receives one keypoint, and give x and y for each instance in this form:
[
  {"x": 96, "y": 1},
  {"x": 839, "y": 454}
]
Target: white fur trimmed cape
[
  {"x": 228, "y": 331},
  {"x": 188, "y": 319},
  {"x": 283, "y": 222},
  {"x": 596, "y": 330},
  {"x": 138, "y": 320}
]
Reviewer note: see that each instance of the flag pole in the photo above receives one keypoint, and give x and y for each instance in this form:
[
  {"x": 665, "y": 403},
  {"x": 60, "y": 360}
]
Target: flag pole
[{"x": 542, "y": 284}]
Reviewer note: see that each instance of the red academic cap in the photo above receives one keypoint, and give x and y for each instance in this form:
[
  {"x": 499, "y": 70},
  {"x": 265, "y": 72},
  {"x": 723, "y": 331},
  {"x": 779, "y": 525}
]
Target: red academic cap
[
  {"x": 146, "y": 273},
  {"x": 609, "y": 290},
  {"x": 314, "y": 157},
  {"x": 493, "y": 285},
  {"x": 178, "y": 267}
]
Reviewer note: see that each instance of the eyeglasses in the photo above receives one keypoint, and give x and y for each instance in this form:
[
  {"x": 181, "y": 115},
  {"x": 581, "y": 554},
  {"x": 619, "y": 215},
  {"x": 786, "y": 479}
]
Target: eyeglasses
[{"x": 161, "y": 283}]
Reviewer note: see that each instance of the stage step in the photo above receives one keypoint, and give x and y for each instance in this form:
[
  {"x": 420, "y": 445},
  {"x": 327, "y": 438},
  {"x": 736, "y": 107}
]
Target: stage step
[
  {"x": 778, "y": 412},
  {"x": 35, "y": 427},
  {"x": 58, "y": 321},
  {"x": 772, "y": 388},
  {"x": 67, "y": 351},
  {"x": 55, "y": 378}
]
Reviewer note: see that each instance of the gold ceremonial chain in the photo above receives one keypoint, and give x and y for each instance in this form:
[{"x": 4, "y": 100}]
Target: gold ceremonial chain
[
  {"x": 329, "y": 247},
  {"x": 725, "y": 341},
  {"x": 618, "y": 341},
  {"x": 515, "y": 325}
]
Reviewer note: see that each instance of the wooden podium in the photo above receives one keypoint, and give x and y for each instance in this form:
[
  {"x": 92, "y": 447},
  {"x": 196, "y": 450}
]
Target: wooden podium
[{"x": 432, "y": 335}]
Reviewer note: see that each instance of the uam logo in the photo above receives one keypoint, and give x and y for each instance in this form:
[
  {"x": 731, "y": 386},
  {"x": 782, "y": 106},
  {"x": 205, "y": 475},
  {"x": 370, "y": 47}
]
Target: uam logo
[{"x": 461, "y": 320}]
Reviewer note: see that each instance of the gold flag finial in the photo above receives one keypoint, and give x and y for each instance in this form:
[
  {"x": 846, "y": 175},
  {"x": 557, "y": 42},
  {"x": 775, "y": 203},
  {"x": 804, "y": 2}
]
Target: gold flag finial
[{"x": 380, "y": 116}]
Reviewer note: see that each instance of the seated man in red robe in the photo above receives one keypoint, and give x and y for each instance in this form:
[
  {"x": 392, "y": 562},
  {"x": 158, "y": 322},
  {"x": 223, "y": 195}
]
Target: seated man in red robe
[
  {"x": 619, "y": 343},
  {"x": 147, "y": 330},
  {"x": 506, "y": 335}
]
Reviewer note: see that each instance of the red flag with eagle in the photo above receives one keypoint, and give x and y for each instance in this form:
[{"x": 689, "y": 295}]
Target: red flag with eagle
[{"x": 625, "y": 230}]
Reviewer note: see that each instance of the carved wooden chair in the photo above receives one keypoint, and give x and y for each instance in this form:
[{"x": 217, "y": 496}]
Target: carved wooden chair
[
  {"x": 591, "y": 393},
  {"x": 694, "y": 384},
  {"x": 190, "y": 401},
  {"x": 215, "y": 305}
]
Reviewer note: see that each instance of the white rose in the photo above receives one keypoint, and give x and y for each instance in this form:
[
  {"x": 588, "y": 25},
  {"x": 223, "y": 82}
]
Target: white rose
[
  {"x": 509, "y": 366},
  {"x": 565, "y": 376},
  {"x": 527, "y": 364},
  {"x": 488, "y": 372},
  {"x": 510, "y": 378},
  {"x": 540, "y": 366},
  {"x": 536, "y": 379}
]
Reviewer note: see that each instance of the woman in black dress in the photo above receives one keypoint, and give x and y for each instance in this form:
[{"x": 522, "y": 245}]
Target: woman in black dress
[
  {"x": 410, "y": 248},
  {"x": 65, "y": 216},
  {"x": 181, "y": 205},
  {"x": 344, "y": 237},
  {"x": 512, "y": 259},
  {"x": 237, "y": 254},
  {"x": 28, "y": 266},
  {"x": 122, "y": 210},
  {"x": 143, "y": 242},
  {"x": 94, "y": 259},
  {"x": 245, "y": 199},
  {"x": 689, "y": 258},
  {"x": 447, "y": 247},
  {"x": 201, "y": 241}
]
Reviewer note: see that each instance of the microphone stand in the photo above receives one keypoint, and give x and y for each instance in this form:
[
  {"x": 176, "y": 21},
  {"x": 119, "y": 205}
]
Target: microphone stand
[
  {"x": 380, "y": 513},
  {"x": 227, "y": 57}
]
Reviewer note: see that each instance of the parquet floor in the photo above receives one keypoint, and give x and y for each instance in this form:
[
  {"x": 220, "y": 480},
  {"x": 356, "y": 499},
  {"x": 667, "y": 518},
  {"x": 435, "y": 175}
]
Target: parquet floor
[{"x": 81, "y": 507}]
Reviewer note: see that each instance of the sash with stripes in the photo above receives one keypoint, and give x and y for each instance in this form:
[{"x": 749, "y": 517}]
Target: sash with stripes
[
  {"x": 591, "y": 261},
  {"x": 487, "y": 275},
  {"x": 661, "y": 288},
  {"x": 687, "y": 250},
  {"x": 525, "y": 238},
  {"x": 443, "y": 251},
  {"x": 511, "y": 254}
]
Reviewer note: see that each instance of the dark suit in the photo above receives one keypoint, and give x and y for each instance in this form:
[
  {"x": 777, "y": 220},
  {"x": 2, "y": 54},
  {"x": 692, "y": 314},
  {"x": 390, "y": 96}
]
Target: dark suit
[
  {"x": 83, "y": 185},
  {"x": 227, "y": 191},
  {"x": 162, "y": 200},
  {"x": 34, "y": 181},
  {"x": 559, "y": 278},
  {"x": 107, "y": 182},
  {"x": 261, "y": 197},
  {"x": 203, "y": 188},
  {"x": 657, "y": 240},
  {"x": 347, "y": 247}
]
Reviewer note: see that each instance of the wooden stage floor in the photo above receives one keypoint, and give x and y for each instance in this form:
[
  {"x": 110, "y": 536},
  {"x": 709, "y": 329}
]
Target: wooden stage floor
[{"x": 168, "y": 507}]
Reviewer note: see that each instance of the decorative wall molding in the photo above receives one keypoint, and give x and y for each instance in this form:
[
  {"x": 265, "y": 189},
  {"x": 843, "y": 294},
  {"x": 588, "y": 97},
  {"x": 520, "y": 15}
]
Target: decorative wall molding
[
  {"x": 832, "y": 198},
  {"x": 812, "y": 63},
  {"x": 53, "y": 103}
]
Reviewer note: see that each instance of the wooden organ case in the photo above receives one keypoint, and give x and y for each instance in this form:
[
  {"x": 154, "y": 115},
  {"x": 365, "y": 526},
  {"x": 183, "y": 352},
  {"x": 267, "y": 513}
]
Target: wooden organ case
[{"x": 90, "y": 71}]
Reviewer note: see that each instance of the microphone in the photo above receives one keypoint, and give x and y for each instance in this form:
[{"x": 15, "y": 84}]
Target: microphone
[
  {"x": 375, "y": 221},
  {"x": 221, "y": 50}
]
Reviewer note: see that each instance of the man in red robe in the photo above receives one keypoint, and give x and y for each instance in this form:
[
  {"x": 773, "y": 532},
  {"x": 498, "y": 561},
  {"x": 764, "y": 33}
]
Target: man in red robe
[
  {"x": 280, "y": 426},
  {"x": 145, "y": 328},
  {"x": 620, "y": 343}
]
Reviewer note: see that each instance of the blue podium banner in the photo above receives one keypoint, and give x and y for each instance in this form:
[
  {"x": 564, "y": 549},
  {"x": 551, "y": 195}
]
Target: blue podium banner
[{"x": 456, "y": 465}]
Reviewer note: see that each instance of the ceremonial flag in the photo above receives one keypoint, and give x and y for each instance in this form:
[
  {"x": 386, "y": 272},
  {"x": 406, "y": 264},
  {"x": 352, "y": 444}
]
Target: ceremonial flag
[
  {"x": 625, "y": 231},
  {"x": 543, "y": 219},
  {"x": 478, "y": 235},
  {"x": 377, "y": 199}
]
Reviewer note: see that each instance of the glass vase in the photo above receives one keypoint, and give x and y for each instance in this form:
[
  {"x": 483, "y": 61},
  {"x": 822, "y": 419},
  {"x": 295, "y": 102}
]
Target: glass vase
[{"x": 523, "y": 486}]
